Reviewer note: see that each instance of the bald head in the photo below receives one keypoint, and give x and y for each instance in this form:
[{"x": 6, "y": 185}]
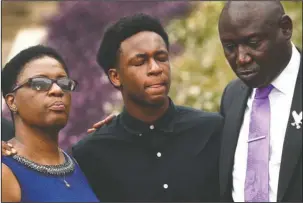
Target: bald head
[
  {"x": 267, "y": 5},
  {"x": 255, "y": 36},
  {"x": 267, "y": 12}
]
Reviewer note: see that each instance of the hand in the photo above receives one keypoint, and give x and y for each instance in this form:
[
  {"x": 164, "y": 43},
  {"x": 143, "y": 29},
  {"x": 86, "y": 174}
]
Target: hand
[
  {"x": 105, "y": 121},
  {"x": 7, "y": 149}
]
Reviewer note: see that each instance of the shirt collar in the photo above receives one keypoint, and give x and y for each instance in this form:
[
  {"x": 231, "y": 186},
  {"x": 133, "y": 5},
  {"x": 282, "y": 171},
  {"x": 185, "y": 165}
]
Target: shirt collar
[
  {"x": 136, "y": 126},
  {"x": 286, "y": 81}
]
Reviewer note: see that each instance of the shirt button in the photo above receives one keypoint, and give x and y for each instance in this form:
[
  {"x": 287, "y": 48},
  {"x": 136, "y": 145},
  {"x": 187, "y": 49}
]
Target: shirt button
[
  {"x": 165, "y": 186},
  {"x": 152, "y": 127},
  {"x": 140, "y": 134},
  {"x": 159, "y": 154}
]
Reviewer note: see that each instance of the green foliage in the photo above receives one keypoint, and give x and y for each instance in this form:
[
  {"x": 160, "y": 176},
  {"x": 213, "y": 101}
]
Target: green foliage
[
  {"x": 201, "y": 72},
  {"x": 294, "y": 10}
]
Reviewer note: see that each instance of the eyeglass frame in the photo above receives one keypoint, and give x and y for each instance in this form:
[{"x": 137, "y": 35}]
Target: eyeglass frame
[{"x": 28, "y": 81}]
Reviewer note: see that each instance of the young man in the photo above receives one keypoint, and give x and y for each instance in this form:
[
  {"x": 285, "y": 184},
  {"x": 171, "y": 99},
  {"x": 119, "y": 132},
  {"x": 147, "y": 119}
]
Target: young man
[
  {"x": 261, "y": 154},
  {"x": 153, "y": 150}
]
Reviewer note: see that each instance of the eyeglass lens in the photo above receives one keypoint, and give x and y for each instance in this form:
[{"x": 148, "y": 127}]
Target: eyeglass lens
[{"x": 45, "y": 84}]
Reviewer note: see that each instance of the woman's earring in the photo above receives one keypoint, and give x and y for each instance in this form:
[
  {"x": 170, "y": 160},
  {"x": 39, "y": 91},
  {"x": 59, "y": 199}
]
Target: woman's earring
[{"x": 14, "y": 109}]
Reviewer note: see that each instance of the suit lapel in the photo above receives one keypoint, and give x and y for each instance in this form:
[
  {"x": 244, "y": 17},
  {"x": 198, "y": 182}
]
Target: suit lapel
[
  {"x": 292, "y": 148},
  {"x": 232, "y": 125}
]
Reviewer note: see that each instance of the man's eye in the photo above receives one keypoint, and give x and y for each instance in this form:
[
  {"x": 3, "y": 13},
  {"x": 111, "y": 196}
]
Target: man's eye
[
  {"x": 229, "y": 47},
  {"x": 254, "y": 43},
  {"x": 162, "y": 58},
  {"x": 138, "y": 62}
]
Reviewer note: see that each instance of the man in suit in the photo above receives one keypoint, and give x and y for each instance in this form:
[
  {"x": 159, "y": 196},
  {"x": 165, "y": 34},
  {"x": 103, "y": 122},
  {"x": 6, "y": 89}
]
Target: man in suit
[{"x": 261, "y": 152}]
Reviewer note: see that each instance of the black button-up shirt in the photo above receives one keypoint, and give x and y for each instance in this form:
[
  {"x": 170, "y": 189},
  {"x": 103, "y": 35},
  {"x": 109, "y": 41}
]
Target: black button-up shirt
[{"x": 173, "y": 159}]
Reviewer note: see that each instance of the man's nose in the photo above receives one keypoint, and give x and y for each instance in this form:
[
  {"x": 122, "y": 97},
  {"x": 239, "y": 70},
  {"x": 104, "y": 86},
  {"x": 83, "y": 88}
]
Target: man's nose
[
  {"x": 243, "y": 56},
  {"x": 154, "y": 68}
]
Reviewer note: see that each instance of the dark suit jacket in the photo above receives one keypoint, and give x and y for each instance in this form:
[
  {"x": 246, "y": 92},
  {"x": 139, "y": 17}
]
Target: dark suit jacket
[
  {"x": 233, "y": 106},
  {"x": 7, "y": 129}
]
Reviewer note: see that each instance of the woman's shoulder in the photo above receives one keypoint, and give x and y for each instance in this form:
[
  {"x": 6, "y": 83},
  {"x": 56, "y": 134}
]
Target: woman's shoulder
[
  {"x": 7, "y": 173},
  {"x": 8, "y": 161},
  {"x": 11, "y": 191}
]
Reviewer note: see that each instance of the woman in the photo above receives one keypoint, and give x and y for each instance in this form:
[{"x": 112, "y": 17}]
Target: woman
[{"x": 37, "y": 90}]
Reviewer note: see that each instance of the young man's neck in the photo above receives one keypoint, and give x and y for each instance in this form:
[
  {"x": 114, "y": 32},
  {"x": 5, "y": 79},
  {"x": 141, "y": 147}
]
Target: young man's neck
[
  {"x": 37, "y": 144},
  {"x": 146, "y": 113}
]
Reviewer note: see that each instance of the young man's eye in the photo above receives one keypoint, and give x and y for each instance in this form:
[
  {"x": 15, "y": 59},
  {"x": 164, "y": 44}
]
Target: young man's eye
[
  {"x": 162, "y": 58},
  {"x": 138, "y": 62}
]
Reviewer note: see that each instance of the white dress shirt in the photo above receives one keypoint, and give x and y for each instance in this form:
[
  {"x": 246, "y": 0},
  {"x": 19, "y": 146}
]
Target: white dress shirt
[{"x": 280, "y": 100}]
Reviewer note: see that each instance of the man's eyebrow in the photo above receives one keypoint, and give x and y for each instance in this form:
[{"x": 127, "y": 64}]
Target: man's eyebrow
[
  {"x": 144, "y": 55},
  {"x": 140, "y": 55}
]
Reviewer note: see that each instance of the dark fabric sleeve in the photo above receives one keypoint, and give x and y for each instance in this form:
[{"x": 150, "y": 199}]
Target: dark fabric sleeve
[{"x": 215, "y": 195}]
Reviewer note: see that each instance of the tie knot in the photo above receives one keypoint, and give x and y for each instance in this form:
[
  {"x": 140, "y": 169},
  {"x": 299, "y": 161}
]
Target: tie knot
[{"x": 263, "y": 92}]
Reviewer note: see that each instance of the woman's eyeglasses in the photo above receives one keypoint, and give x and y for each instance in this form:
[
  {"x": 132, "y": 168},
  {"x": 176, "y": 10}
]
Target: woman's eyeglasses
[{"x": 45, "y": 84}]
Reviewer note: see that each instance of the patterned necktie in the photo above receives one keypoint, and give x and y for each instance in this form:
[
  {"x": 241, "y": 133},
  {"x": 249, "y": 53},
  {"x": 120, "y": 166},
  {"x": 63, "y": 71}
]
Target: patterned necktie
[{"x": 257, "y": 174}]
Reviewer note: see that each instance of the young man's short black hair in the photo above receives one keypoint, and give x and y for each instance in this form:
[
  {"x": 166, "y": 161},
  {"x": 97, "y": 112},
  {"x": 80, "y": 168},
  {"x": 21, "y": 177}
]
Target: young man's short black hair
[
  {"x": 12, "y": 69},
  {"x": 123, "y": 29}
]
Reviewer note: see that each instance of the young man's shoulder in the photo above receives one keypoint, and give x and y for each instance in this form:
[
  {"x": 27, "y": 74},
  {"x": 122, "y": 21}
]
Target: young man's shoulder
[
  {"x": 192, "y": 112},
  {"x": 187, "y": 114},
  {"x": 106, "y": 131}
]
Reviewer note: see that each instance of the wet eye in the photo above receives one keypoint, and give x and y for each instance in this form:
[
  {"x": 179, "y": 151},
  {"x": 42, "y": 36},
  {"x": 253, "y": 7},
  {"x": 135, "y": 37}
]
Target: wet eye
[
  {"x": 229, "y": 46},
  {"x": 254, "y": 43}
]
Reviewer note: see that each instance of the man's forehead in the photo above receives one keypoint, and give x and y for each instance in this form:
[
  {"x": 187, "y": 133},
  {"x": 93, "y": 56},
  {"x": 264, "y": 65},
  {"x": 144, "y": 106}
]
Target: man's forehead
[
  {"x": 241, "y": 13},
  {"x": 243, "y": 21},
  {"x": 141, "y": 42}
]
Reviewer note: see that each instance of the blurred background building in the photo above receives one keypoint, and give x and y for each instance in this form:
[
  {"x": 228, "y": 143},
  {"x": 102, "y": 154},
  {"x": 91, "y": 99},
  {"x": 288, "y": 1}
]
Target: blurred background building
[{"x": 74, "y": 28}]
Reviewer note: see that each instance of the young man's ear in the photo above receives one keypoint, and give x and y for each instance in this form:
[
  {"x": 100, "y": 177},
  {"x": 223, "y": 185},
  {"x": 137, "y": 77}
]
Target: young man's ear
[{"x": 114, "y": 77}]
